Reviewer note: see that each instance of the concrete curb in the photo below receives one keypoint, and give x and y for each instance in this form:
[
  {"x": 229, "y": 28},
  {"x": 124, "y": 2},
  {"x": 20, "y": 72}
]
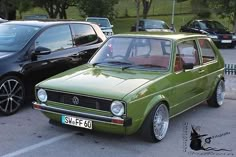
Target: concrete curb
[{"x": 230, "y": 87}]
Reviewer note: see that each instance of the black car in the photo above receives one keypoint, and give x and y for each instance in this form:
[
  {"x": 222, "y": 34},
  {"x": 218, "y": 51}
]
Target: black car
[
  {"x": 151, "y": 25},
  {"x": 215, "y": 30},
  {"x": 31, "y": 51}
]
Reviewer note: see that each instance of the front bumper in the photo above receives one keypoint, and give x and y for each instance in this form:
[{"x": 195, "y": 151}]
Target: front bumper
[{"x": 98, "y": 118}]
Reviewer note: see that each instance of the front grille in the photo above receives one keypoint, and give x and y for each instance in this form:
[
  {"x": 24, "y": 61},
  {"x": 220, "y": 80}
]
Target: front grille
[
  {"x": 225, "y": 36},
  {"x": 79, "y": 100}
]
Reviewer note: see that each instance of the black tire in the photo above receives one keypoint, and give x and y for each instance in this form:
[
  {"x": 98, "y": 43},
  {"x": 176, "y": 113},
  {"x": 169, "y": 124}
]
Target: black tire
[
  {"x": 12, "y": 95},
  {"x": 213, "y": 101},
  {"x": 147, "y": 129}
]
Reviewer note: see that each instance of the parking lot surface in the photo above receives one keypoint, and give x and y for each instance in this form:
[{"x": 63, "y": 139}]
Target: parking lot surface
[
  {"x": 229, "y": 55},
  {"x": 28, "y": 134}
]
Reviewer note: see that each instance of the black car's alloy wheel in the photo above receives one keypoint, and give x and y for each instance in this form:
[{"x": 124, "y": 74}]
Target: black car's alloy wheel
[{"x": 12, "y": 95}]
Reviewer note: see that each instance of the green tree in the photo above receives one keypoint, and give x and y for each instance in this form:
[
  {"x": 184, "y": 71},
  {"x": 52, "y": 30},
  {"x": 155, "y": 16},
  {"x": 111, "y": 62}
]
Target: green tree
[
  {"x": 102, "y": 8},
  {"x": 23, "y": 6},
  {"x": 225, "y": 8},
  {"x": 137, "y": 3},
  {"x": 55, "y": 8},
  {"x": 146, "y": 7},
  {"x": 8, "y": 9}
]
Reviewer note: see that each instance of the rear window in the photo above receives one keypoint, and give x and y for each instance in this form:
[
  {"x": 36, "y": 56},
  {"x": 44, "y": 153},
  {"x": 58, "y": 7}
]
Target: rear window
[
  {"x": 100, "y": 22},
  {"x": 83, "y": 34}
]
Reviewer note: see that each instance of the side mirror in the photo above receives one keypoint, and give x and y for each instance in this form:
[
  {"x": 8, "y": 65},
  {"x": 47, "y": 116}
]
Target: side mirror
[
  {"x": 112, "y": 26},
  {"x": 42, "y": 51},
  {"x": 188, "y": 66}
]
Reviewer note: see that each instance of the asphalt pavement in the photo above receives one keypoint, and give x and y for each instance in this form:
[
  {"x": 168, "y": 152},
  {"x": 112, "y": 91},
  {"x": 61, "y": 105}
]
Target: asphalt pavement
[
  {"x": 28, "y": 134},
  {"x": 229, "y": 56}
]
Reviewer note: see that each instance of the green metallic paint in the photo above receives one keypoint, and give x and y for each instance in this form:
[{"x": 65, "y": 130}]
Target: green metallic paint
[
  {"x": 111, "y": 83},
  {"x": 140, "y": 89}
]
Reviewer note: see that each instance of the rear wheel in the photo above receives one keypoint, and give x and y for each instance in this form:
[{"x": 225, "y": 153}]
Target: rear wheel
[
  {"x": 217, "y": 98},
  {"x": 12, "y": 95},
  {"x": 156, "y": 124}
]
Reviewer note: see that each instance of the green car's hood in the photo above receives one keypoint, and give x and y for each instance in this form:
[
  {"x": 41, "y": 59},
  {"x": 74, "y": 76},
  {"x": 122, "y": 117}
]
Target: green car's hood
[{"x": 113, "y": 84}]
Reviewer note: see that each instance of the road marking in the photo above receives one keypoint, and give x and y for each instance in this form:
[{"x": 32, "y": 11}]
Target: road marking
[{"x": 38, "y": 145}]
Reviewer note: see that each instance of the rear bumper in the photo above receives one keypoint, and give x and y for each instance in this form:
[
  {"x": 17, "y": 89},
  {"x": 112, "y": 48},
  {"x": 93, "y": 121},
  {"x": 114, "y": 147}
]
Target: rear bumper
[
  {"x": 103, "y": 119},
  {"x": 219, "y": 42}
]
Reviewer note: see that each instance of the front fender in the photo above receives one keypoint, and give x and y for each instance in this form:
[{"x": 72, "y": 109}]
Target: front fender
[
  {"x": 157, "y": 99},
  {"x": 139, "y": 110}
]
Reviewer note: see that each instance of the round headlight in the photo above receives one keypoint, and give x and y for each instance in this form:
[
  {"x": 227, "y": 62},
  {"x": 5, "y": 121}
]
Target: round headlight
[
  {"x": 42, "y": 95},
  {"x": 117, "y": 108}
]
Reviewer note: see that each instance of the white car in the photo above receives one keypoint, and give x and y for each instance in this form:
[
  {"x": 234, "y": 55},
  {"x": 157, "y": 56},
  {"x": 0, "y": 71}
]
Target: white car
[{"x": 103, "y": 23}]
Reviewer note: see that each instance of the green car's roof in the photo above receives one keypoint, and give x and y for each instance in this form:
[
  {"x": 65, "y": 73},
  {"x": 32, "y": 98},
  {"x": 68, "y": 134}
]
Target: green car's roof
[{"x": 166, "y": 35}]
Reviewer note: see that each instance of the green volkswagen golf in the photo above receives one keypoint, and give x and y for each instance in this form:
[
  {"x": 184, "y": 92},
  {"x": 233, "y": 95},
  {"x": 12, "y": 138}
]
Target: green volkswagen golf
[{"x": 136, "y": 82}]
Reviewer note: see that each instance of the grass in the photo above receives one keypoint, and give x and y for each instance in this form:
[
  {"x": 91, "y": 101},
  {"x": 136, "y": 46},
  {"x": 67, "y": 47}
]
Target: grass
[
  {"x": 126, "y": 12},
  {"x": 158, "y": 7}
]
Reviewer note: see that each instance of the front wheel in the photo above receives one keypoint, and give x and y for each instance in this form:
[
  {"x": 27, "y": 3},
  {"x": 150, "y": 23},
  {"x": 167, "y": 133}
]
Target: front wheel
[
  {"x": 217, "y": 98},
  {"x": 156, "y": 124},
  {"x": 12, "y": 95}
]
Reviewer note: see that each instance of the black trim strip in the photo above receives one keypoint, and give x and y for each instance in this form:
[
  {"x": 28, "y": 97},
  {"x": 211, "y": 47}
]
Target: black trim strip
[{"x": 44, "y": 108}]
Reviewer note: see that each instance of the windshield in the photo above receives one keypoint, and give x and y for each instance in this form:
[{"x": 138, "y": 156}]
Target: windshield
[
  {"x": 211, "y": 25},
  {"x": 100, "y": 22},
  {"x": 152, "y": 24},
  {"x": 133, "y": 52},
  {"x": 14, "y": 37}
]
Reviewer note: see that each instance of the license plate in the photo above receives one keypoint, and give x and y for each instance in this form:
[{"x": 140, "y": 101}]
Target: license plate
[
  {"x": 75, "y": 121},
  {"x": 226, "y": 41}
]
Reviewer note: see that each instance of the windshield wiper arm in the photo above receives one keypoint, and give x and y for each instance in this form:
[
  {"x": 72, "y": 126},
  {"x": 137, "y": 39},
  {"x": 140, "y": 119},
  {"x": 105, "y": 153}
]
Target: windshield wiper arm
[
  {"x": 142, "y": 65},
  {"x": 118, "y": 62},
  {"x": 94, "y": 64},
  {"x": 130, "y": 66},
  {"x": 111, "y": 62}
]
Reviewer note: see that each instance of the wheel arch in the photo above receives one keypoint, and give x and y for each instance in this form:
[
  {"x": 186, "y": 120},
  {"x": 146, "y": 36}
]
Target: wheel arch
[
  {"x": 218, "y": 78},
  {"x": 152, "y": 104},
  {"x": 16, "y": 74}
]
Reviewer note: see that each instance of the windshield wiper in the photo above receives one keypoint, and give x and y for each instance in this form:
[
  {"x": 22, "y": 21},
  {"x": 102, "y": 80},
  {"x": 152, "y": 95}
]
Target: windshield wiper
[
  {"x": 119, "y": 62},
  {"x": 143, "y": 66},
  {"x": 94, "y": 64},
  {"x": 150, "y": 65},
  {"x": 112, "y": 62}
]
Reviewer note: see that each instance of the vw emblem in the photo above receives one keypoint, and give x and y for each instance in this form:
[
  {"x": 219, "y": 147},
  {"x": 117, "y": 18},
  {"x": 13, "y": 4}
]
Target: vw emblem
[{"x": 75, "y": 100}]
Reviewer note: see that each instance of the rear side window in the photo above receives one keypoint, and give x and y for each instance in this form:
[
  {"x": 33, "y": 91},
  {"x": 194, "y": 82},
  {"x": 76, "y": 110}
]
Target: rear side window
[
  {"x": 55, "y": 38},
  {"x": 207, "y": 51},
  {"x": 187, "y": 52},
  {"x": 83, "y": 34}
]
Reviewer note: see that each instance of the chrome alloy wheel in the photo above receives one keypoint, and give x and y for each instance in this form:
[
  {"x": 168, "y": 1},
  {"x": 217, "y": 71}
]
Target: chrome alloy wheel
[
  {"x": 220, "y": 93},
  {"x": 160, "y": 122},
  {"x": 11, "y": 96}
]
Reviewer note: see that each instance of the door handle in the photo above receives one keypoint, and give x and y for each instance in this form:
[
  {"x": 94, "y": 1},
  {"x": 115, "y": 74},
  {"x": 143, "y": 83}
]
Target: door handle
[{"x": 75, "y": 55}]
